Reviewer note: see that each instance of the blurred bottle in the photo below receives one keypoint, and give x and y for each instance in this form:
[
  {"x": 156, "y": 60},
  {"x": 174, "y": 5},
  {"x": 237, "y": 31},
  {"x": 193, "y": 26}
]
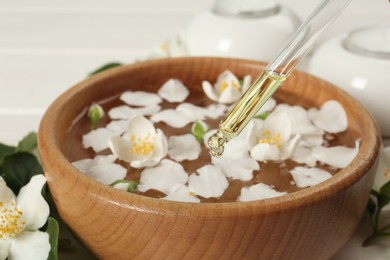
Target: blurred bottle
[{"x": 251, "y": 29}]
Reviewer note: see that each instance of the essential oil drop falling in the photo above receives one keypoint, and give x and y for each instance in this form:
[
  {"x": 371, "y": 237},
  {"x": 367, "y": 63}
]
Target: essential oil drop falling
[{"x": 246, "y": 108}]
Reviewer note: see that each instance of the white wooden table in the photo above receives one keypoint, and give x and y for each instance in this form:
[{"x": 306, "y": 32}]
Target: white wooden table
[{"x": 46, "y": 46}]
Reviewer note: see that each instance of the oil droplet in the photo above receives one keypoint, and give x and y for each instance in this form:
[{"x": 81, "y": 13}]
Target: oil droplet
[{"x": 217, "y": 143}]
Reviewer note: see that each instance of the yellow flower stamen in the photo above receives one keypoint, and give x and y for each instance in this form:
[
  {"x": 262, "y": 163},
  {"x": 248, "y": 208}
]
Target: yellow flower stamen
[
  {"x": 11, "y": 220},
  {"x": 142, "y": 146},
  {"x": 224, "y": 85},
  {"x": 386, "y": 173},
  {"x": 275, "y": 139}
]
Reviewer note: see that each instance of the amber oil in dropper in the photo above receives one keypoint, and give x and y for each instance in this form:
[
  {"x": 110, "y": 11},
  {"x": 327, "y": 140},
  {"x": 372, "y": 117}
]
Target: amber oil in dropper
[{"x": 253, "y": 99}]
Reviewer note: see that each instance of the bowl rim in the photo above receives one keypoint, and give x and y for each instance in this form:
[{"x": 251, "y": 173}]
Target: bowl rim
[{"x": 50, "y": 151}]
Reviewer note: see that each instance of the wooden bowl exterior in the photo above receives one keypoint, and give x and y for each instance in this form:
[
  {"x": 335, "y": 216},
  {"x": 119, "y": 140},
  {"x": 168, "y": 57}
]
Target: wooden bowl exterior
[{"x": 310, "y": 224}]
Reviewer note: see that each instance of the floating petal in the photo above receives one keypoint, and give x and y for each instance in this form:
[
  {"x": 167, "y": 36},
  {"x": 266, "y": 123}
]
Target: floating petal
[
  {"x": 140, "y": 98},
  {"x": 236, "y": 162},
  {"x": 126, "y": 112},
  {"x": 183, "y": 194},
  {"x": 302, "y": 154},
  {"x": 173, "y": 118},
  {"x": 306, "y": 177},
  {"x": 215, "y": 110},
  {"x": 118, "y": 126},
  {"x": 183, "y": 147},
  {"x": 166, "y": 177},
  {"x": 209, "y": 181},
  {"x": 196, "y": 112},
  {"x": 331, "y": 117},
  {"x": 102, "y": 168},
  {"x": 336, "y": 156},
  {"x": 97, "y": 139},
  {"x": 173, "y": 91},
  {"x": 258, "y": 192}
]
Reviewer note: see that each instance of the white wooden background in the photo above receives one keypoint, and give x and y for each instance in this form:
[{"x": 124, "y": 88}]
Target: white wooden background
[{"x": 47, "y": 46}]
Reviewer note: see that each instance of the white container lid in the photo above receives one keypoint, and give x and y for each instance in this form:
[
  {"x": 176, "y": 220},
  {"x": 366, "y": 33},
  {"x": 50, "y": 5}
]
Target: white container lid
[{"x": 372, "y": 42}]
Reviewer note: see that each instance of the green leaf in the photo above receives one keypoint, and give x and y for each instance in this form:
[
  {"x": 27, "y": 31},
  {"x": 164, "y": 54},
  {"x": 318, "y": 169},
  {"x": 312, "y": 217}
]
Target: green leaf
[
  {"x": 28, "y": 143},
  {"x": 263, "y": 116},
  {"x": 383, "y": 200},
  {"x": 371, "y": 206},
  {"x": 17, "y": 170},
  {"x": 385, "y": 189},
  {"x": 5, "y": 150},
  {"x": 95, "y": 114},
  {"x": 106, "y": 67},
  {"x": 198, "y": 130},
  {"x": 132, "y": 184},
  {"x": 53, "y": 230}
]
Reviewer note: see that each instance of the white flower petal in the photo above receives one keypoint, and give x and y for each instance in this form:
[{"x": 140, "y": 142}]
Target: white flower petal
[
  {"x": 278, "y": 123},
  {"x": 6, "y": 194},
  {"x": 337, "y": 156},
  {"x": 30, "y": 201},
  {"x": 183, "y": 147},
  {"x": 267, "y": 107},
  {"x": 5, "y": 245},
  {"x": 258, "y": 192},
  {"x": 226, "y": 77},
  {"x": 183, "y": 194},
  {"x": 302, "y": 154},
  {"x": 229, "y": 95},
  {"x": 383, "y": 170},
  {"x": 331, "y": 117},
  {"x": 166, "y": 177},
  {"x": 209, "y": 91},
  {"x": 265, "y": 152},
  {"x": 30, "y": 245},
  {"x": 82, "y": 165},
  {"x": 139, "y": 127},
  {"x": 140, "y": 98},
  {"x": 209, "y": 182},
  {"x": 215, "y": 110},
  {"x": 106, "y": 173},
  {"x": 196, "y": 112},
  {"x": 305, "y": 177},
  {"x": 118, "y": 126},
  {"x": 253, "y": 130},
  {"x": 173, "y": 91},
  {"x": 288, "y": 148},
  {"x": 236, "y": 162},
  {"x": 126, "y": 112},
  {"x": 312, "y": 140},
  {"x": 97, "y": 139},
  {"x": 247, "y": 80},
  {"x": 120, "y": 147},
  {"x": 300, "y": 121},
  {"x": 173, "y": 118}
]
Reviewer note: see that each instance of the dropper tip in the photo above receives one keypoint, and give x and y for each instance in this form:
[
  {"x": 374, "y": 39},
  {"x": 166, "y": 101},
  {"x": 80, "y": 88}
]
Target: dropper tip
[{"x": 216, "y": 143}]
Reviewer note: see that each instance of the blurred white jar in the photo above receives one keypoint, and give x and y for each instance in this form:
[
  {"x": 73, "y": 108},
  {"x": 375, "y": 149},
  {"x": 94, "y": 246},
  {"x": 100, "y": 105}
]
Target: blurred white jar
[
  {"x": 252, "y": 29},
  {"x": 359, "y": 62}
]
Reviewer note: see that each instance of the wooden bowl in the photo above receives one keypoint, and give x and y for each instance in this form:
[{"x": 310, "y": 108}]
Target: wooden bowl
[{"x": 313, "y": 223}]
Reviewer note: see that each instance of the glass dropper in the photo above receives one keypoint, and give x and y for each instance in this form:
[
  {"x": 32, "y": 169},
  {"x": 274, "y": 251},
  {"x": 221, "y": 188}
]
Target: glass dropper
[{"x": 275, "y": 73}]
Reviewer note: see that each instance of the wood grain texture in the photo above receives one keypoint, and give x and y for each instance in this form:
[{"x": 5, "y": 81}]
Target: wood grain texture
[{"x": 310, "y": 224}]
